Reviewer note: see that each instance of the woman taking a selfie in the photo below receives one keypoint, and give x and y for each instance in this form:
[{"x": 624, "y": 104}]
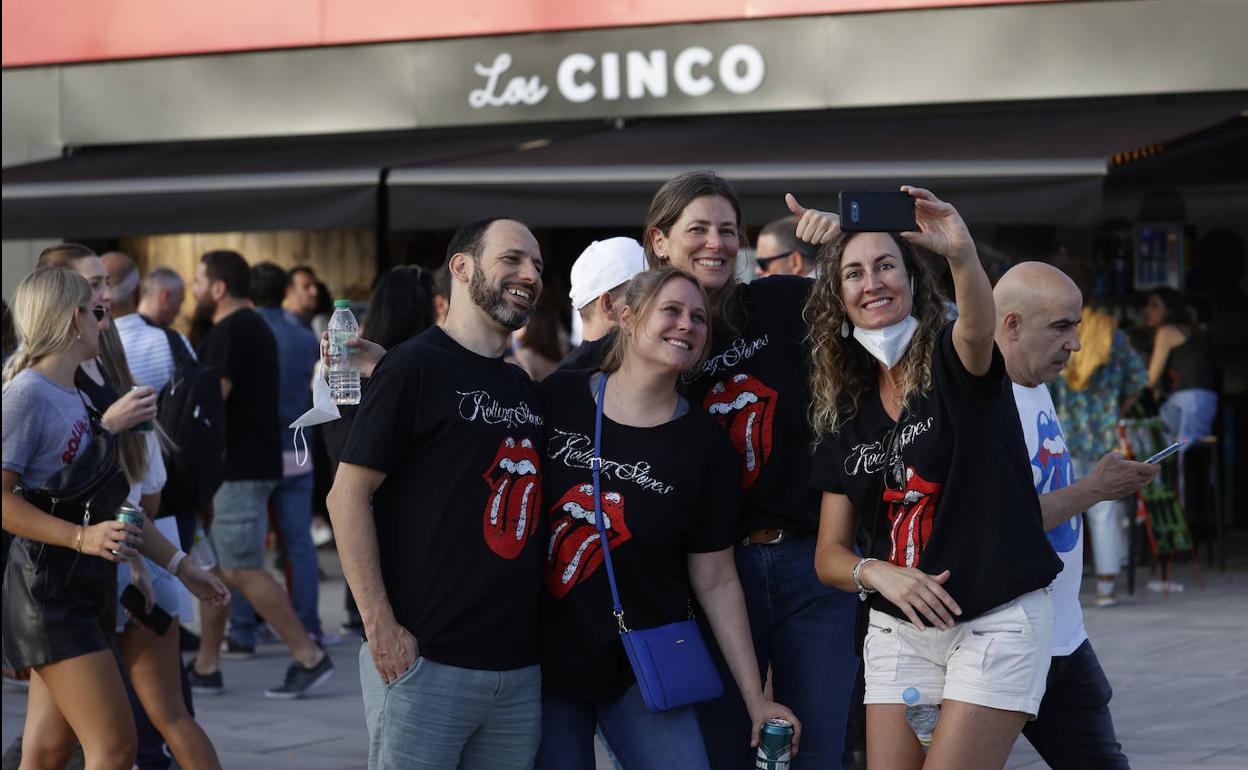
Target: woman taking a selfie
[
  {"x": 668, "y": 494},
  {"x": 921, "y": 448}
]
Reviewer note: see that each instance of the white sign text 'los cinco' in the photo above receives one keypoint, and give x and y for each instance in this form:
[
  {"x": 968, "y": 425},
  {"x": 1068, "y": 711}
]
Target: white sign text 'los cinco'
[{"x": 581, "y": 78}]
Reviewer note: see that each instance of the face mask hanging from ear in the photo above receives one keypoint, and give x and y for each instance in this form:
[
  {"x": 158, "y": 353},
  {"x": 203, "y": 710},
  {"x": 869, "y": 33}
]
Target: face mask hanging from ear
[
  {"x": 889, "y": 344},
  {"x": 323, "y": 410}
]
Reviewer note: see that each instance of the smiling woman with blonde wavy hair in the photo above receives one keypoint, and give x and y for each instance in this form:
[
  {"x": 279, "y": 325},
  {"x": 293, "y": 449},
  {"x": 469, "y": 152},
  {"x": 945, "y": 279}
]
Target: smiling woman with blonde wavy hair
[{"x": 841, "y": 369}]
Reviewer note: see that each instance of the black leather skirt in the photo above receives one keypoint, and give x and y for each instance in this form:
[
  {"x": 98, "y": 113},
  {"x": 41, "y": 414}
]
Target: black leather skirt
[{"x": 58, "y": 604}]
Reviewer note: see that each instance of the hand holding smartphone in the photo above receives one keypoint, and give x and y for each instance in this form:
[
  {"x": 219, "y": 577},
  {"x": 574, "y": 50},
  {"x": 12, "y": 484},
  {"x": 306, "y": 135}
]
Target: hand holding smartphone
[
  {"x": 877, "y": 212},
  {"x": 158, "y": 620}
]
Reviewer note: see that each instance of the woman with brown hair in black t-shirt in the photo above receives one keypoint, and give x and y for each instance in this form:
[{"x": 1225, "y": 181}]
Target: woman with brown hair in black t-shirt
[
  {"x": 669, "y": 498},
  {"x": 754, "y": 383},
  {"x": 920, "y": 447}
]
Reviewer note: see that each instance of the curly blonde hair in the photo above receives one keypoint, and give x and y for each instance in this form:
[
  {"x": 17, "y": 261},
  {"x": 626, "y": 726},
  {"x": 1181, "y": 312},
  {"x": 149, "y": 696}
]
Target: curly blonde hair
[{"x": 842, "y": 371}]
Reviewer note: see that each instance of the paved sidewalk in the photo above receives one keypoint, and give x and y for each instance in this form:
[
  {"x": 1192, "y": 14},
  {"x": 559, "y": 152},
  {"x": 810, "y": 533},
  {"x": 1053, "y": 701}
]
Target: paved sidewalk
[{"x": 1178, "y": 665}]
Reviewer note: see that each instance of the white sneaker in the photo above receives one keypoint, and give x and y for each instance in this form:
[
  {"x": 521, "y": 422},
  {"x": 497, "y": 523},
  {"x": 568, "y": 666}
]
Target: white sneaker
[{"x": 1165, "y": 586}]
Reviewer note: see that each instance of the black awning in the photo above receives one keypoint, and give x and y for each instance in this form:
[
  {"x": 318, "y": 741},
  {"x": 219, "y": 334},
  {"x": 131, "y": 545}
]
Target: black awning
[
  {"x": 295, "y": 183},
  {"x": 1000, "y": 163}
]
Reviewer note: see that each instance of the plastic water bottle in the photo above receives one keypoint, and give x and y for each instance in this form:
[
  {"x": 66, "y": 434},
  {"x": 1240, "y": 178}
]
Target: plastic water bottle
[
  {"x": 201, "y": 550},
  {"x": 344, "y": 375},
  {"x": 922, "y": 719}
]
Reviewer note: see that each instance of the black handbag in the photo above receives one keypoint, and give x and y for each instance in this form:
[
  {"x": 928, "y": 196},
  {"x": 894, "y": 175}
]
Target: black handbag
[{"x": 671, "y": 662}]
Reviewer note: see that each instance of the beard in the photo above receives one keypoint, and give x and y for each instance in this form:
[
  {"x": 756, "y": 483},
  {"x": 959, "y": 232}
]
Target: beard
[
  {"x": 493, "y": 300},
  {"x": 201, "y": 319}
]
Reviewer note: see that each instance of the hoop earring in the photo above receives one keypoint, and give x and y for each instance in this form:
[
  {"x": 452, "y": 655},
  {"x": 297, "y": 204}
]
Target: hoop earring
[{"x": 845, "y": 327}]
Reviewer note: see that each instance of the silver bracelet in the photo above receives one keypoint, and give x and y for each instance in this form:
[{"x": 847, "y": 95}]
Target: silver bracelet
[
  {"x": 862, "y": 590},
  {"x": 175, "y": 562}
]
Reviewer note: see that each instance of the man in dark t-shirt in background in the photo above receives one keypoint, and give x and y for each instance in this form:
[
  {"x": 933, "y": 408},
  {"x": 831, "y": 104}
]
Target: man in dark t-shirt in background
[
  {"x": 243, "y": 350},
  {"x": 445, "y": 561}
]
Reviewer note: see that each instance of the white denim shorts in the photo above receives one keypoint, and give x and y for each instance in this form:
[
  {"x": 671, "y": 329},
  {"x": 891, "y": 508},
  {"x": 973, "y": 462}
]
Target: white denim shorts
[{"x": 999, "y": 660}]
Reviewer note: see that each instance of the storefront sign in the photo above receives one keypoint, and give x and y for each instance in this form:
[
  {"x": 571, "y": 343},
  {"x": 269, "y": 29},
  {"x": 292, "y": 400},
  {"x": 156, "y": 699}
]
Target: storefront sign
[
  {"x": 613, "y": 75},
  {"x": 677, "y": 70}
]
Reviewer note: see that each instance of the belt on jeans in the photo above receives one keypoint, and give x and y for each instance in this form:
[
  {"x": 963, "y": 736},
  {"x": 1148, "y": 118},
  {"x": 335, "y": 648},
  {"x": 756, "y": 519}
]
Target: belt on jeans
[{"x": 770, "y": 536}]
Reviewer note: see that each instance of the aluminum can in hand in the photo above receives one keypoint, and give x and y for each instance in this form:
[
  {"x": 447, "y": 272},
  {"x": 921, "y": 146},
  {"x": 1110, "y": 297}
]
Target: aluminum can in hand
[
  {"x": 775, "y": 745},
  {"x": 128, "y": 514}
]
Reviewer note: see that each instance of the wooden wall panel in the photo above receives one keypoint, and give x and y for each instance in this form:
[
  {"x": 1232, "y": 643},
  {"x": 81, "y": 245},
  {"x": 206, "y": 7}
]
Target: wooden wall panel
[{"x": 344, "y": 259}]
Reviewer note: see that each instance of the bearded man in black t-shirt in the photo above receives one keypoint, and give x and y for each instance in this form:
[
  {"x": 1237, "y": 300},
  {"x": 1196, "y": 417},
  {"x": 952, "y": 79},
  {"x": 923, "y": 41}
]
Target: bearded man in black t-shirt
[{"x": 436, "y": 506}]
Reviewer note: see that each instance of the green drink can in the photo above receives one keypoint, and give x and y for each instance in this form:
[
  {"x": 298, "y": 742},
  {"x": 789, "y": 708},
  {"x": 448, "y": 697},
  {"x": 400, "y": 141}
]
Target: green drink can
[
  {"x": 128, "y": 514},
  {"x": 775, "y": 745}
]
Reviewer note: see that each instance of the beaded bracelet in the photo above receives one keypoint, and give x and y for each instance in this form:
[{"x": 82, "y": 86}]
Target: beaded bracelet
[{"x": 862, "y": 590}]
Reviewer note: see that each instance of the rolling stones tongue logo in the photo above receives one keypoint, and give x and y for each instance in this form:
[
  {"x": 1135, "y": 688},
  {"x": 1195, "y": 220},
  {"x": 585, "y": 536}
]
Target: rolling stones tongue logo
[
  {"x": 747, "y": 409},
  {"x": 574, "y": 550},
  {"x": 512, "y": 507},
  {"x": 911, "y": 512}
]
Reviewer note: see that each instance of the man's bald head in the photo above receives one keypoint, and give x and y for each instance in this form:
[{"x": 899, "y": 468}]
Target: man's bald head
[
  {"x": 1029, "y": 285},
  {"x": 123, "y": 276},
  {"x": 1038, "y": 311}
]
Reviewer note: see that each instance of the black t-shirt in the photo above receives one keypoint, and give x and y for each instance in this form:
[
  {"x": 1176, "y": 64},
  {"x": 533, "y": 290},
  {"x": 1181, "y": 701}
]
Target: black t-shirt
[
  {"x": 667, "y": 491},
  {"x": 459, "y": 514},
  {"x": 968, "y": 503},
  {"x": 244, "y": 351},
  {"x": 757, "y": 385},
  {"x": 588, "y": 355},
  {"x": 101, "y": 395}
]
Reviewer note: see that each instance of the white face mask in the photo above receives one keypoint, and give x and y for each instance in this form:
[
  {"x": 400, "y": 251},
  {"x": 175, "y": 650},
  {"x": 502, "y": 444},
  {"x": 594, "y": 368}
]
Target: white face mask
[
  {"x": 888, "y": 345},
  {"x": 323, "y": 410}
]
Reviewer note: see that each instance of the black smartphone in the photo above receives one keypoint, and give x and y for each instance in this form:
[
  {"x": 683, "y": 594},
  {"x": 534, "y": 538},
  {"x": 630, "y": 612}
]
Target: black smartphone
[
  {"x": 877, "y": 212},
  {"x": 158, "y": 620}
]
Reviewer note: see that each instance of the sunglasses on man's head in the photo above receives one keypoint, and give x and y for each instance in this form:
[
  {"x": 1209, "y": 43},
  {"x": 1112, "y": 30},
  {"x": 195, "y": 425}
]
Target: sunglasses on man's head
[
  {"x": 763, "y": 262},
  {"x": 97, "y": 311}
]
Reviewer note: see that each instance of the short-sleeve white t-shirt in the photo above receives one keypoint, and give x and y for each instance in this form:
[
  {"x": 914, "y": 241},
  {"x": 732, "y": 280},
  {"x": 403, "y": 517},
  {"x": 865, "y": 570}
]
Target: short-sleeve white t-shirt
[{"x": 1051, "y": 469}]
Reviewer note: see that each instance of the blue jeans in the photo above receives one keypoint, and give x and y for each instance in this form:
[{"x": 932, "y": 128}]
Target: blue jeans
[
  {"x": 1074, "y": 727},
  {"x": 292, "y": 507},
  {"x": 639, "y": 739},
  {"x": 437, "y": 716},
  {"x": 804, "y": 631}
]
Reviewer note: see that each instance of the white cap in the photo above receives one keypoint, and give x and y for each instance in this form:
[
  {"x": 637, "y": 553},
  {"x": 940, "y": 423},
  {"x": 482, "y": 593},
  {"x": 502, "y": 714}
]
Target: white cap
[{"x": 602, "y": 266}]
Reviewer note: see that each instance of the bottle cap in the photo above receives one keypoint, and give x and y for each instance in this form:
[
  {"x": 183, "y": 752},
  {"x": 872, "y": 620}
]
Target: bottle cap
[
  {"x": 342, "y": 303},
  {"x": 911, "y": 696}
]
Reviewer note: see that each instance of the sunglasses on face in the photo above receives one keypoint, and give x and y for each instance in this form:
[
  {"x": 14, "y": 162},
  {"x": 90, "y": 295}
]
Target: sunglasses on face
[
  {"x": 763, "y": 262},
  {"x": 96, "y": 311}
]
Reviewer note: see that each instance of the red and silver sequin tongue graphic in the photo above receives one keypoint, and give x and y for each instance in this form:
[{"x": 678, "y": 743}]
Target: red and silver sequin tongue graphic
[
  {"x": 747, "y": 408},
  {"x": 574, "y": 550},
  {"x": 515, "y": 498},
  {"x": 911, "y": 514}
]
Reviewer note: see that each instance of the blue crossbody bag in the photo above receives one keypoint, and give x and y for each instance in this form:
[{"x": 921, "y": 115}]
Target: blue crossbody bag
[{"x": 671, "y": 662}]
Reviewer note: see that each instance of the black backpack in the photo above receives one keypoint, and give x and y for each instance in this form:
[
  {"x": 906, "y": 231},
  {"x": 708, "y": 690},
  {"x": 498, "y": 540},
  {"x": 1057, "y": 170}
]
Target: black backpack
[{"x": 192, "y": 413}]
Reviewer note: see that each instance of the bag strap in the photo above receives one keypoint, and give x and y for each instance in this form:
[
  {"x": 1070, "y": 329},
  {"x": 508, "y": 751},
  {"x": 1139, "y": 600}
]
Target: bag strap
[
  {"x": 595, "y": 465},
  {"x": 94, "y": 416},
  {"x": 177, "y": 348}
]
